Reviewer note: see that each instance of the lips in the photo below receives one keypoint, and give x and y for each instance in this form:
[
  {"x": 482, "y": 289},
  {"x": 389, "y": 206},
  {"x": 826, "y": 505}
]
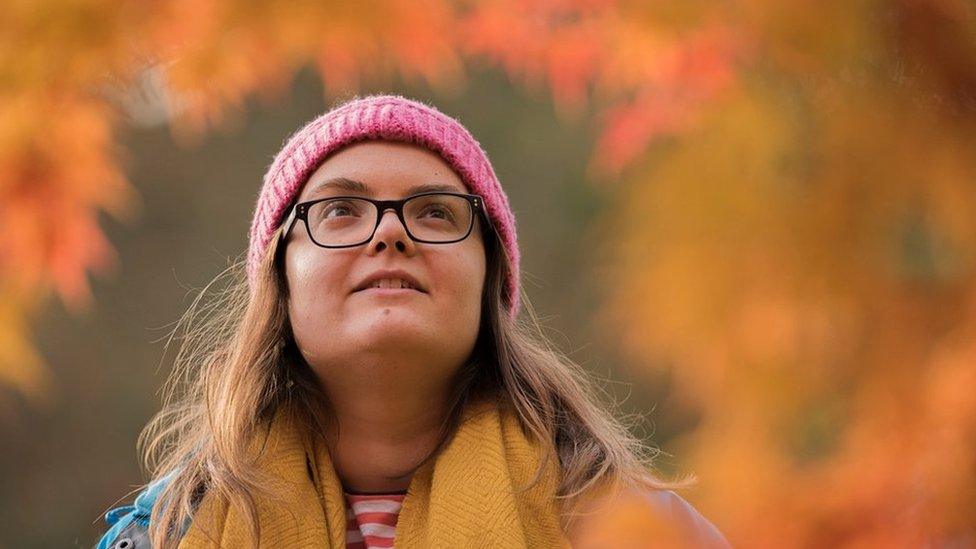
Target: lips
[
  {"x": 391, "y": 279},
  {"x": 390, "y": 283}
]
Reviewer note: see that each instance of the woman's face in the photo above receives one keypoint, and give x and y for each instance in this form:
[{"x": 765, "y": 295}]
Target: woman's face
[{"x": 403, "y": 337}]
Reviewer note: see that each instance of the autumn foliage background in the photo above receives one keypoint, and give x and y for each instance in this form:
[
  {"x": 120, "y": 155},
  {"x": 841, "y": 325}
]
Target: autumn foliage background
[{"x": 755, "y": 218}]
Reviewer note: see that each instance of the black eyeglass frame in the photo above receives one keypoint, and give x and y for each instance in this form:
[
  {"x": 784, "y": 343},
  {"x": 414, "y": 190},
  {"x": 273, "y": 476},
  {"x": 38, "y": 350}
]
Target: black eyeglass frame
[{"x": 300, "y": 212}]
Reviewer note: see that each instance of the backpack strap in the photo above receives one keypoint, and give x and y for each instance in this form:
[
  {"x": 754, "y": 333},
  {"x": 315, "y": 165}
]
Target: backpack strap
[
  {"x": 699, "y": 529},
  {"x": 129, "y": 524}
]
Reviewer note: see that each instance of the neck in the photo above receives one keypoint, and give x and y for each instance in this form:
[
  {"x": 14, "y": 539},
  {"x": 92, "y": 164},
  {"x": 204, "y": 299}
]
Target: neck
[{"x": 379, "y": 436}]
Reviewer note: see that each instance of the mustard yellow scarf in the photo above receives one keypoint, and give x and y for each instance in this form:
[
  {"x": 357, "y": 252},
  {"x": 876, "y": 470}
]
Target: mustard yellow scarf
[{"x": 466, "y": 497}]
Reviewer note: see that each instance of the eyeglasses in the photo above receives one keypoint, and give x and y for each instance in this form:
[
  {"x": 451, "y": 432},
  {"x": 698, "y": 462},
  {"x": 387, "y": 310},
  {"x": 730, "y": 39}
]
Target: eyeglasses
[{"x": 346, "y": 221}]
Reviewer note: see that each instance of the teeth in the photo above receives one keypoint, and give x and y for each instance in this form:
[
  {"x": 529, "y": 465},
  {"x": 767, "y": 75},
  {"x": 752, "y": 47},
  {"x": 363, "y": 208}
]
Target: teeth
[{"x": 391, "y": 283}]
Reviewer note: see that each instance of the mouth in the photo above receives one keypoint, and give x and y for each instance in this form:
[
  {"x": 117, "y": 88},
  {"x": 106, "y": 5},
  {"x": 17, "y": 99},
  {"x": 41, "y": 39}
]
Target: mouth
[
  {"x": 391, "y": 286},
  {"x": 389, "y": 291}
]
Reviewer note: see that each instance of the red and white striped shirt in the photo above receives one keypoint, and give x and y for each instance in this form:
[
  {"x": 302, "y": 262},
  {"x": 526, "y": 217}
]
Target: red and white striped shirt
[{"x": 371, "y": 519}]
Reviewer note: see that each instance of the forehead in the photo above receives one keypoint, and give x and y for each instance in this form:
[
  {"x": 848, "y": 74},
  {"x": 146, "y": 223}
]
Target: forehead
[{"x": 382, "y": 169}]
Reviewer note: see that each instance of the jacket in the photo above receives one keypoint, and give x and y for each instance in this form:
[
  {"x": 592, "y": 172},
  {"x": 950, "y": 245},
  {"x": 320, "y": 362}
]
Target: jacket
[{"x": 129, "y": 524}]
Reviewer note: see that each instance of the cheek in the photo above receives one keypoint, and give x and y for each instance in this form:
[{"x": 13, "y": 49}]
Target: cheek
[
  {"x": 315, "y": 281},
  {"x": 464, "y": 275}
]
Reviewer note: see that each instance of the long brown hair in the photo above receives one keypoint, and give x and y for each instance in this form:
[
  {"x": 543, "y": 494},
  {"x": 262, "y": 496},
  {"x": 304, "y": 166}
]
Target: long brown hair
[{"x": 238, "y": 365}]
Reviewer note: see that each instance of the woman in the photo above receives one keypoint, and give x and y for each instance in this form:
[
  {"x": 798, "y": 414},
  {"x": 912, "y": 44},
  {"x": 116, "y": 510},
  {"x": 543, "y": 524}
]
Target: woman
[{"x": 368, "y": 381}]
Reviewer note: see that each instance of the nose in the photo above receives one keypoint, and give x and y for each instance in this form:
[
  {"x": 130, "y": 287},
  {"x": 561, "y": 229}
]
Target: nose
[{"x": 391, "y": 233}]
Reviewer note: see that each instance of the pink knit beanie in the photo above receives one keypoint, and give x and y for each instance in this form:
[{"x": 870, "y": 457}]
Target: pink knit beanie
[{"x": 386, "y": 117}]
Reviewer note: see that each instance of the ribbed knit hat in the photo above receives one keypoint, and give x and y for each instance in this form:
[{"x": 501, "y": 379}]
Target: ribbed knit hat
[{"x": 383, "y": 117}]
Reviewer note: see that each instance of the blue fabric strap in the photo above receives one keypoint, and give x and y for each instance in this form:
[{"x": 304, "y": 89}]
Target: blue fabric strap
[{"x": 120, "y": 518}]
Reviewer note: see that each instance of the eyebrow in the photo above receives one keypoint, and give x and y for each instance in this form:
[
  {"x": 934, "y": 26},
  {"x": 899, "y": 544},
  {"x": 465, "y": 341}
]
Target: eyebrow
[{"x": 351, "y": 185}]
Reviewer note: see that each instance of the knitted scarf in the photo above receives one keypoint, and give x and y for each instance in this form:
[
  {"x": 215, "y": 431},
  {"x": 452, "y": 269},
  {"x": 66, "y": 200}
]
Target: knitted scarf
[{"x": 467, "y": 496}]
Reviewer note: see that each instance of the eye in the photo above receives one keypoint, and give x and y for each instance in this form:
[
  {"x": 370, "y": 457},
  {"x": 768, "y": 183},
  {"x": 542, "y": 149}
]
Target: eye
[
  {"x": 339, "y": 208},
  {"x": 438, "y": 211},
  {"x": 336, "y": 210}
]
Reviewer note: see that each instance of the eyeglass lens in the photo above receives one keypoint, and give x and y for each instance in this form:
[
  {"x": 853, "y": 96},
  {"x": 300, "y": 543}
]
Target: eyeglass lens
[{"x": 431, "y": 218}]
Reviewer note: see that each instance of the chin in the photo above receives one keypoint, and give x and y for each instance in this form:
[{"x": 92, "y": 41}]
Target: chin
[{"x": 393, "y": 324}]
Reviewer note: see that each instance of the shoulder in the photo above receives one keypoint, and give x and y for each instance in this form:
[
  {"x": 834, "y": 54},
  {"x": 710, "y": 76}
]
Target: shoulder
[
  {"x": 633, "y": 516},
  {"x": 691, "y": 522},
  {"x": 129, "y": 524}
]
